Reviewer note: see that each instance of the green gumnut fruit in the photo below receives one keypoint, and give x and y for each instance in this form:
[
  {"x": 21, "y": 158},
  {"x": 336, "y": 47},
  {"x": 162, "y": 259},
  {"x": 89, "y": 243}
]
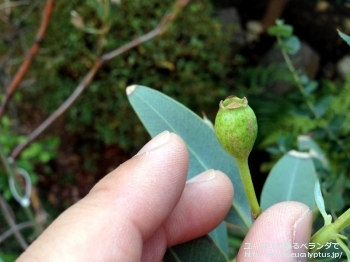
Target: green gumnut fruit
[{"x": 236, "y": 126}]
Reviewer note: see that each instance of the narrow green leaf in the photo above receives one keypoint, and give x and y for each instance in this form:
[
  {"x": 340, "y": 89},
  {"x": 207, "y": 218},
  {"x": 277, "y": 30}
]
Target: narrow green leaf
[
  {"x": 220, "y": 236},
  {"x": 201, "y": 249},
  {"x": 345, "y": 37},
  {"x": 292, "y": 178},
  {"x": 302, "y": 112},
  {"x": 310, "y": 87},
  {"x": 319, "y": 133},
  {"x": 336, "y": 122},
  {"x": 273, "y": 150},
  {"x": 159, "y": 112},
  {"x": 320, "y": 204},
  {"x": 334, "y": 201},
  {"x": 323, "y": 104}
]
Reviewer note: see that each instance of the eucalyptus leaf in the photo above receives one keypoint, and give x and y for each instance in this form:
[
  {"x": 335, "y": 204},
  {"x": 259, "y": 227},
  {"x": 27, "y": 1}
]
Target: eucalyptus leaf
[
  {"x": 320, "y": 204},
  {"x": 208, "y": 122},
  {"x": 285, "y": 143},
  {"x": 345, "y": 37},
  {"x": 220, "y": 236},
  {"x": 302, "y": 112},
  {"x": 306, "y": 143},
  {"x": 201, "y": 249},
  {"x": 159, "y": 112},
  {"x": 292, "y": 179},
  {"x": 319, "y": 133},
  {"x": 334, "y": 201},
  {"x": 304, "y": 79},
  {"x": 280, "y": 30},
  {"x": 310, "y": 87},
  {"x": 292, "y": 44},
  {"x": 273, "y": 150},
  {"x": 323, "y": 104},
  {"x": 336, "y": 122}
]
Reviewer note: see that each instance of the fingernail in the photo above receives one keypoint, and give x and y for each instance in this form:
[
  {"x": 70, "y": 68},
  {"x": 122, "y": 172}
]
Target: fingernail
[
  {"x": 157, "y": 141},
  {"x": 203, "y": 177},
  {"x": 301, "y": 236}
]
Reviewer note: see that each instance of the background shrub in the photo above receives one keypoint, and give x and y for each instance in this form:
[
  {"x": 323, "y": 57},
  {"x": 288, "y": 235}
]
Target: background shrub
[{"x": 187, "y": 62}]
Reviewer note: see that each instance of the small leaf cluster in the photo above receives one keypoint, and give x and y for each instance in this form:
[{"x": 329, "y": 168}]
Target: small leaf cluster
[
  {"x": 288, "y": 42},
  {"x": 317, "y": 109}
]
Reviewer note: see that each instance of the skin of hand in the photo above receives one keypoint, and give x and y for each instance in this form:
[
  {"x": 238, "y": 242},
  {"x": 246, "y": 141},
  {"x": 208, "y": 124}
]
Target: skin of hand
[{"x": 145, "y": 205}]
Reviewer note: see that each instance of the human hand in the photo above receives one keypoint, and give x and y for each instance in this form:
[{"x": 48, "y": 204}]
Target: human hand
[{"x": 146, "y": 205}]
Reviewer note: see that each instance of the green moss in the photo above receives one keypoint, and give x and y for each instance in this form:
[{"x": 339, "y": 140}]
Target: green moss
[{"x": 187, "y": 63}]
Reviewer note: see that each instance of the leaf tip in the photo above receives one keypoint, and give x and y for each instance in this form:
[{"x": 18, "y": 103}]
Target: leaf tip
[
  {"x": 298, "y": 154},
  {"x": 130, "y": 89}
]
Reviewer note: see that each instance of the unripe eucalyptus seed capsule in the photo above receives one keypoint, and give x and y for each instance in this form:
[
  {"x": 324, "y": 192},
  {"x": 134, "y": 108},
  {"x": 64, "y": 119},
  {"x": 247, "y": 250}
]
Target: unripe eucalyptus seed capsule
[
  {"x": 236, "y": 126},
  {"x": 236, "y": 129}
]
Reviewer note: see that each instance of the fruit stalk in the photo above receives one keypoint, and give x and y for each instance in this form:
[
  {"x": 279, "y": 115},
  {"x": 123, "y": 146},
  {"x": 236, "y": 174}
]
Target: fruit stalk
[{"x": 248, "y": 187}]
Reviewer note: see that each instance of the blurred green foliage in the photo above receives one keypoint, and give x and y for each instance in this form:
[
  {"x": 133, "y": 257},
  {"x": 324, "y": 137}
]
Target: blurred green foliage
[
  {"x": 38, "y": 152},
  {"x": 317, "y": 108},
  {"x": 187, "y": 63}
]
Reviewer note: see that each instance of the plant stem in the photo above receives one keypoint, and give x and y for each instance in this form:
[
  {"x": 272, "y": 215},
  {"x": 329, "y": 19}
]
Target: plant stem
[
  {"x": 14, "y": 229},
  {"x": 296, "y": 78},
  {"x": 307, "y": 100},
  {"x": 329, "y": 232},
  {"x": 343, "y": 246},
  {"x": 248, "y": 187},
  {"x": 30, "y": 56},
  {"x": 7, "y": 211}
]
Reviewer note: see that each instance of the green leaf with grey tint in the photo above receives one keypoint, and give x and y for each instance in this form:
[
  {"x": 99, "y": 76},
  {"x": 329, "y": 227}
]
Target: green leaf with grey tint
[
  {"x": 334, "y": 201},
  {"x": 311, "y": 87},
  {"x": 320, "y": 204},
  {"x": 322, "y": 105},
  {"x": 159, "y": 112},
  {"x": 219, "y": 235},
  {"x": 336, "y": 122},
  {"x": 292, "y": 45},
  {"x": 345, "y": 37},
  {"x": 292, "y": 178},
  {"x": 280, "y": 29},
  {"x": 306, "y": 143},
  {"x": 200, "y": 249}
]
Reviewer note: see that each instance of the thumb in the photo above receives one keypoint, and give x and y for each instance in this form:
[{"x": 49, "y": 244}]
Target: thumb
[{"x": 281, "y": 233}]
